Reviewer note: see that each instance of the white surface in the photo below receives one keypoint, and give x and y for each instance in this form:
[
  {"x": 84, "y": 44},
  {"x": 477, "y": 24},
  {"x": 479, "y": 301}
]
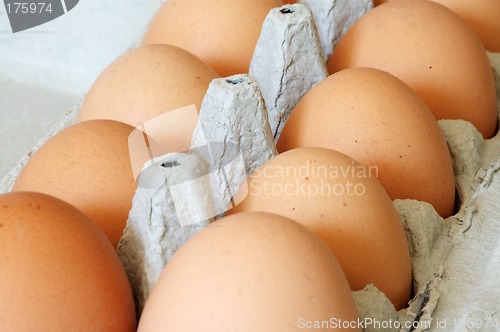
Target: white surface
[
  {"x": 46, "y": 69},
  {"x": 26, "y": 114}
]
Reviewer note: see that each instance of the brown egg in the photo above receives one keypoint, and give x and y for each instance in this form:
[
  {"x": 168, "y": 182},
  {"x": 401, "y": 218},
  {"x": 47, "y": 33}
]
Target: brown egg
[
  {"x": 88, "y": 165},
  {"x": 59, "y": 272},
  {"x": 250, "y": 272},
  {"x": 482, "y": 15},
  {"x": 146, "y": 83},
  {"x": 375, "y": 118},
  {"x": 431, "y": 49},
  {"x": 223, "y": 33},
  {"x": 341, "y": 202}
]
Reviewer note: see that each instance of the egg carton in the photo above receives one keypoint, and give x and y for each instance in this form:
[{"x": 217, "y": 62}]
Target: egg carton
[{"x": 455, "y": 261}]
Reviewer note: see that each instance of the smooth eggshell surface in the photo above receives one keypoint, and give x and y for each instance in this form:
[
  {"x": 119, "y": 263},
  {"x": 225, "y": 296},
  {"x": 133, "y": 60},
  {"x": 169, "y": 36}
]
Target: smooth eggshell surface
[
  {"x": 58, "y": 272},
  {"x": 432, "y": 50},
  {"x": 375, "y": 118},
  {"x": 249, "y": 272},
  {"x": 88, "y": 165},
  {"x": 148, "y": 82},
  {"x": 341, "y": 202},
  {"x": 223, "y": 33},
  {"x": 482, "y": 15}
]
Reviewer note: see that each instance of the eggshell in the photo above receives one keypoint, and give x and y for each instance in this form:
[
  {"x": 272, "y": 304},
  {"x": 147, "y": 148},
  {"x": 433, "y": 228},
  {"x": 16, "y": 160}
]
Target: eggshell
[
  {"x": 341, "y": 202},
  {"x": 249, "y": 272},
  {"x": 148, "y": 82},
  {"x": 88, "y": 165},
  {"x": 375, "y": 118},
  {"x": 223, "y": 33},
  {"x": 431, "y": 49},
  {"x": 482, "y": 15},
  {"x": 59, "y": 272}
]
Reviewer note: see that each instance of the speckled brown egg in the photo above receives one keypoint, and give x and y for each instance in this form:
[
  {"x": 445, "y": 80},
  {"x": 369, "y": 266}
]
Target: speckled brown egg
[
  {"x": 223, "y": 33},
  {"x": 343, "y": 203},
  {"x": 250, "y": 272},
  {"x": 432, "y": 50},
  {"x": 59, "y": 272},
  {"x": 375, "y": 118},
  {"x": 88, "y": 165}
]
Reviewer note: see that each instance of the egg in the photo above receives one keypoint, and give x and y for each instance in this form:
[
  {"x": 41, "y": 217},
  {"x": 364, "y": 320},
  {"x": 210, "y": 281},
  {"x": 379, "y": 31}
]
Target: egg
[
  {"x": 341, "y": 202},
  {"x": 482, "y": 15},
  {"x": 59, "y": 272},
  {"x": 149, "y": 82},
  {"x": 376, "y": 119},
  {"x": 223, "y": 33},
  {"x": 87, "y": 165},
  {"x": 250, "y": 272},
  {"x": 432, "y": 50}
]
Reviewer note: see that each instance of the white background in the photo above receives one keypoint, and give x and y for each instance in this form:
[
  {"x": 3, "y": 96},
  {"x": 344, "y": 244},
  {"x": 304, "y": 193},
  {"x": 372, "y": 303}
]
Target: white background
[{"x": 46, "y": 69}]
